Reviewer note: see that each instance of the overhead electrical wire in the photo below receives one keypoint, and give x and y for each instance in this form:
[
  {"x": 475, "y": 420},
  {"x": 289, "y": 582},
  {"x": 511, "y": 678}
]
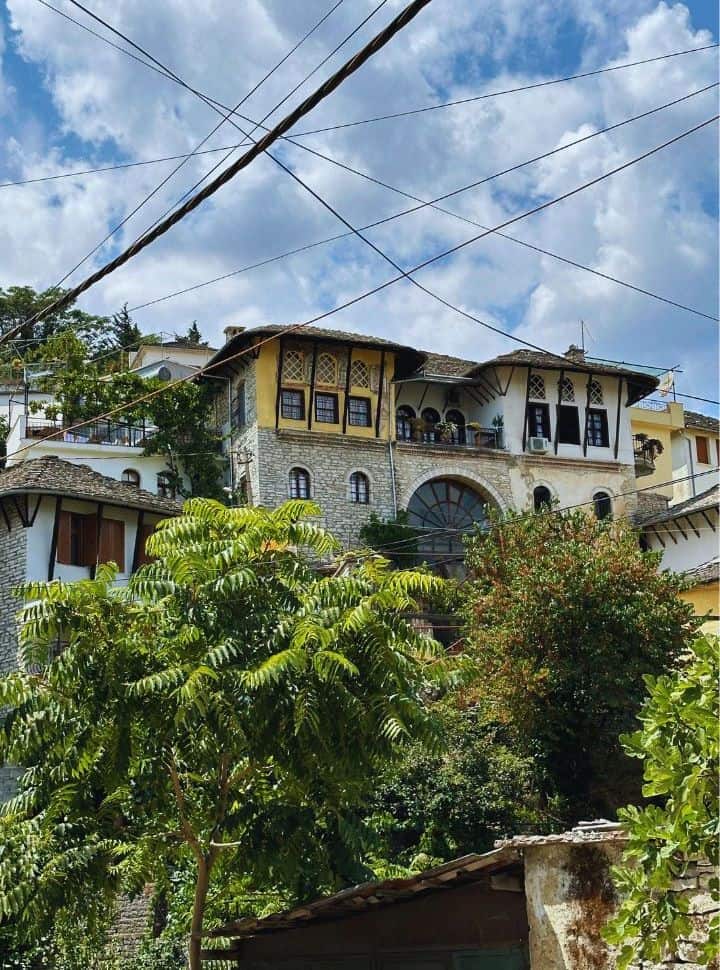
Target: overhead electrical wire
[
  {"x": 382, "y": 286},
  {"x": 322, "y": 92}
]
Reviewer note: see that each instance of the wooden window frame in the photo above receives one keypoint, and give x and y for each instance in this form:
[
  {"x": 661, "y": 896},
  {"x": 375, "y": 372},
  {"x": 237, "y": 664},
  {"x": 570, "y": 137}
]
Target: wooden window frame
[
  {"x": 702, "y": 454},
  {"x": 359, "y": 488},
  {"x": 571, "y": 435},
  {"x": 604, "y": 430},
  {"x": 538, "y": 407},
  {"x": 295, "y": 476},
  {"x": 331, "y": 398},
  {"x": 367, "y": 415},
  {"x": 285, "y": 407}
]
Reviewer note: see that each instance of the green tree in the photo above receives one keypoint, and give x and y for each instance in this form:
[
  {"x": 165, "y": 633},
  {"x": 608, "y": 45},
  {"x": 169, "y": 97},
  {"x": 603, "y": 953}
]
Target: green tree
[
  {"x": 126, "y": 333},
  {"x": 680, "y": 751},
  {"x": 222, "y": 708},
  {"x": 19, "y": 303},
  {"x": 392, "y": 538},
  {"x": 193, "y": 337},
  {"x": 565, "y": 615}
]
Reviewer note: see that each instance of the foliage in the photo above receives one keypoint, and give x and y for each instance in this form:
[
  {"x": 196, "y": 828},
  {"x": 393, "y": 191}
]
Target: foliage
[
  {"x": 19, "y": 303},
  {"x": 223, "y": 710},
  {"x": 565, "y": 616},
  {"x": 432, "y": 807},
  {"x": 680, "y": 750},
  {"x": 392, "y": 538},
  {"x": 193, "y": 337},
  {"x": 125, "y": 331}
]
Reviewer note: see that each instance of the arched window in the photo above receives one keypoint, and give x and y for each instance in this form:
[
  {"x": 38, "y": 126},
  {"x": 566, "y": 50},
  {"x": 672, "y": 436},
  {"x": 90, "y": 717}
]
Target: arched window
[
  {"x": 131, "y": 477},
  {"x": 299, "y": 482},
  {"x": 567, "y": 391},
  {"x": 359, "y": 488},
  {"x": 431, "y": 417},
  {"x": 444, "y": 511},
  {"x": 602, "y": 504},
  {"x": 359, "y": 374},
  {"x": 457, "y": 437},
  {"x": 404, "y": 416},
  {"x": 326, "y": 371},
  {"x": 542, "y": 499},
  {"x": 165, "y": 487},
  {"x": 293, "y": 369},
  {"x": 537, "y": 387},
  {"x": 596, "y": 393}
]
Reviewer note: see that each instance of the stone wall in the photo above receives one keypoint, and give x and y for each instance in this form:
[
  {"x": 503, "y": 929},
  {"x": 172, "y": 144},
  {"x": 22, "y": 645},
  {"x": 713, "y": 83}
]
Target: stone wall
[
  {"x": 13, "y": 571},
  {"x": 416, "y": 463}
]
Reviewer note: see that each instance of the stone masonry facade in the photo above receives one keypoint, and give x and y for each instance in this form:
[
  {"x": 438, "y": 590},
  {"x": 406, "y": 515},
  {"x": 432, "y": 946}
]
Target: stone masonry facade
[{"x": 13, "y": 572}]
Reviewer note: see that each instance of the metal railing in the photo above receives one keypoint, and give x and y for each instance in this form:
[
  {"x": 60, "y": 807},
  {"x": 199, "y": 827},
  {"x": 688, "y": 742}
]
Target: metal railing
[
  {"x": 101, "y": 432},
  {"x": 461, "y": 437},
  {"x": 652, "y": 404},
  {"x": 645, "y": 452}
]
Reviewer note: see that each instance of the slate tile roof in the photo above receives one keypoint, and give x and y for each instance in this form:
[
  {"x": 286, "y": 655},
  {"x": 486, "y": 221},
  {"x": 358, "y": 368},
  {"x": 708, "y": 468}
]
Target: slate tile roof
[
  {"x": 708, "y": 572},
  {"x": 50, "y": 475},
  {"x": 693, "y": 419},
  {"x": 709, "y": 499}
]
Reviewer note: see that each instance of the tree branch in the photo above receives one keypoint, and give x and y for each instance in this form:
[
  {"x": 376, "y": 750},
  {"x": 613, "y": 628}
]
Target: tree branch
[{"x": 185, "y": 826}]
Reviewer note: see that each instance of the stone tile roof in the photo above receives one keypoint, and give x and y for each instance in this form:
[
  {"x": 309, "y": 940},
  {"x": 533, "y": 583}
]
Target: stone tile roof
[
  {"x": 708, "y": 572},
  {"x": 537, "y": 358},
  {"x": 50, "y": 475},
  {"x": 693, "y": 419},
  {"x": 598, "y": 831},
  {"x": 442, "y": 365},
  {"x": 709, "y": 499}
]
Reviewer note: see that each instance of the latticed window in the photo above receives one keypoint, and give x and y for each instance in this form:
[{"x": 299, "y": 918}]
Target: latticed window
[
  {"x": 596, "y": 392},
  {"x": 326, "y": 408},
  {"x": 537, "y": 387},
  {"x": 359, "y": 412},
  {"x": 293, "y": 366},
  {"x": 326, "y": 371},
  {"x": 299, "y": 481},
  {"x": 292, "y": 404},
  {"x": 567, "y": 390},
  {"x": 359, "y": 488},
  {"x": 359, "y": 374}
]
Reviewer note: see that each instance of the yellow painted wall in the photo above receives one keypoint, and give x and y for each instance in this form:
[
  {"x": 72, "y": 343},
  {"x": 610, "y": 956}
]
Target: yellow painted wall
[
  {"x": 706, "y": 601},
  {"x": 660, "y": 425},
  {"x": 266, "y": 376}
]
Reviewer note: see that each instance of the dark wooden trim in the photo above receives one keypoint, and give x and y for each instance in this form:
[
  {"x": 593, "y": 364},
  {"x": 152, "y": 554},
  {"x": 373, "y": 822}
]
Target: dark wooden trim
[
  {"x": 707, "y": 519},
  {"x": 22, "y": 513},
  {"x": 556, "y": 438},
  {"x": 691, "y": 524},
  {"x": 617, "y": 418},
  {"x": 312, "y": 386},
  {"x": 378, "y": 413},
  {"x": 54, "y": 538},
  {"x": 525, "y": 410},
  {"x": 422, "y": 398},
  {"x": 281, "y": 359},
  {"x": 476, "y": 395},
  {"x": 682, "y": 532},
  {"x": 498, "y": 385},
  {"x": 507, "y": 386},
  {"x": 31, "y": 520},
  {"x": 98, "y": 528},
  {"x": 489, "y": 388},
  {"x": 657, "y": 536},
  {"x": 587, "y": 410},
  {"x": 136, "y": 545},
  {"x": 669, "y": 532},
  {"x": 347, "y": 389},
  {"x": 5, "y": 516}
]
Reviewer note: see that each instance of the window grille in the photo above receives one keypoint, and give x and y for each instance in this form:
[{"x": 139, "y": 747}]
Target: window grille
[
  {"x": 359, "y": 412},
  {"x": 596, "y": 392},
  {"x": 292, "y": 405},
  {"x": 293, "y": 366},
  {"x": 326, "y": 371},
  {"x": 537, "y": 387},
  {"x": 567, "y": 390},
  {"x": 359, "y": 374}
]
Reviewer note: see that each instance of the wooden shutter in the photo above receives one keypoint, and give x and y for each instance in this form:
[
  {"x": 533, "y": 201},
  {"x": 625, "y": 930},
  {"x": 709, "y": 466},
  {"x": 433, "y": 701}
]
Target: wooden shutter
[
  {"x": 701, "y": 444},
  {"x": 63, "y": 539},
  {"x": 112, "y": 542},
  {"x": 88, "y": 539},
  {"x": 145, "y": 532}
]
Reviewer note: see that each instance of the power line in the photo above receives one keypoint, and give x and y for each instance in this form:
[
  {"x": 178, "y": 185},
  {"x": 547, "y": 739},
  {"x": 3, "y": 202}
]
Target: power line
[
  {"x": 376, "y": 289},
  {"x": 325, "y": 89},
  {"x": 497, "y": 94}
]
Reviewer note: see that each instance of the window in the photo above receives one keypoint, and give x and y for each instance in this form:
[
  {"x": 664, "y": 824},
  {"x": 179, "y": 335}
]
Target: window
[
  {"x": 326, "y": 408},
  {"x": 567, "y": 390},
  {"x": 701, "y": 447},
  {"x": 603, "y": 505},
  {"x": 131, "y": 477},
  {"x": 359, "y": 412},
  {"x": 538, "y": 416},
  {"x": 292, "y": 404},
  {"x": 359, "y": 374},
  {"x": 537, "y": 387},
  {"x": 111, "y": 547},
  {"x": 542, "y": 499},
  {"x": 239, "y": 416},
  {"x": 596, "y": 392},
  {"x": 359, "y": 488},
  {"x": 457, "y": 437},
  {"x": 326, "y": 370},
  {"x": 293, "y": 369},
  {"x": 404, "y": 416},
  {"x": 77, "y": 542},
  {"x": 299, "y": 482},
  {"x": 165, "y": 487},
  {"x": 597, "y": 428},
  {"x": 431, "y": 417},
  {"x": 568, "y": 425}
]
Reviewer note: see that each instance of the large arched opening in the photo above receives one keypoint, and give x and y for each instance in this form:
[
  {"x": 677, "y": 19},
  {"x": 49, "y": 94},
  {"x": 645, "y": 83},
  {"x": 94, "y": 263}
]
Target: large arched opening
[{"x": 444, "y": 511}]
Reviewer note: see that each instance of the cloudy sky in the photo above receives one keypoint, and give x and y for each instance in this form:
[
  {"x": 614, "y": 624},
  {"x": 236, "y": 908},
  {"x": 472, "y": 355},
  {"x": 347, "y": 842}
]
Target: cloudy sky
[{"x": 70, "y": 102}]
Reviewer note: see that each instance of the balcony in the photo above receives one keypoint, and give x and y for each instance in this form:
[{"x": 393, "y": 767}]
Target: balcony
[
  {"x": 459, "y": 437},
  {"x": 101, "y": 432},
  {"x": 645, "y": 450}
]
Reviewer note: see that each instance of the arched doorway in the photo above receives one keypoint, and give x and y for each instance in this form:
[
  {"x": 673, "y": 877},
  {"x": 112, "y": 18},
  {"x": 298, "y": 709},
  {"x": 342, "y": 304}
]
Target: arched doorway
[{"x": 444, "y": 510}]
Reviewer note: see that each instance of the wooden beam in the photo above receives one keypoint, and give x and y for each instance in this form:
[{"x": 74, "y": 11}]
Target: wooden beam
[
  {"x": 279, "y": 375},
  {"x": 705, "y": 516},
  {"x": 311, "y": 402},
  {"x": 138, "y": 539},
  {"x": 503, "y": 393},
  {"x": 98, "y": 529},
  {"x": 347, "y": 389},
  {"x": 525, "y": 414},
  {"x": 31, "y": 520},
  {"x": 680, "y": 529},
  {"x": 54, "y": 538},
  {"x": 587, "y": 408},
  {"x": 669, "y": 532},
  {"x": 380, "y": 394},
  {"x": 691, "y": 524},
  {"x": 657, "y": 536},
  {"x": 556, "y": 439},
  {"x": 5, "y": 516},
  {"x": 22, "y": 512},
  {"x": 498, "y": 385},
  {"x": 617, "y": 417},
  {"x": 424, "y": 395}
]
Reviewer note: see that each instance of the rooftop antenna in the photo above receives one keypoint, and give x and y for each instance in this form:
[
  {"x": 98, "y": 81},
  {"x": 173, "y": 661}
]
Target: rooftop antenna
[{"x": 584, "y": 327}]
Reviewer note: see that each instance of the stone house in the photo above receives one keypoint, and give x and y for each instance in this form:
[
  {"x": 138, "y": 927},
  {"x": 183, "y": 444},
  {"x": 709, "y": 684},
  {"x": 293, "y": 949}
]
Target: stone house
[
  {"x": 532, "y": 903},
  {"x": 364, "y": 425}
]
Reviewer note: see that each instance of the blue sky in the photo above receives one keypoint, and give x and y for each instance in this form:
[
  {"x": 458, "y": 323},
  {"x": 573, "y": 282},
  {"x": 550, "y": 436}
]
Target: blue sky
[{"x": 67, "y": 101}]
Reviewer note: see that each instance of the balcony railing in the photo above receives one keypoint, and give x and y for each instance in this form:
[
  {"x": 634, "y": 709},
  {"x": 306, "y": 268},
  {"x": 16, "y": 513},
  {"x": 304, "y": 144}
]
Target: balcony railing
[
  {"x": 461, "y": 437},
  {"x": 645, "y": 450},
  {"x": 101, "y": 432},
  {"x": 652, "y": 404}
]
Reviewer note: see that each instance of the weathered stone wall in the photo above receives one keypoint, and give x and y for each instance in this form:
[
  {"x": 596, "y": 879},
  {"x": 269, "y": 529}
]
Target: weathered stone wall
[
  {"x": 416, "y": 463},
  {"x": 132, "y": 923},
  {"x": 13, "y": 571}
]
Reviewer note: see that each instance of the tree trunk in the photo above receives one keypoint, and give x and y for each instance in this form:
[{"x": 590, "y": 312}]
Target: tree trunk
[{"x": 198, "y": 914}]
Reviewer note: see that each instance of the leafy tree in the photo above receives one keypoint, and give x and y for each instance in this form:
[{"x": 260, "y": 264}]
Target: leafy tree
[
  {"x": 193, "y": 336},
  {"x": 565, "y": 615},
  {"x": 126, "y": 333},
  {"x": 680, "y": 750},
  {"x": 216, "y": 712},
  {"x": 19, "y": 303},
  {"x": 392, "y": 538}
]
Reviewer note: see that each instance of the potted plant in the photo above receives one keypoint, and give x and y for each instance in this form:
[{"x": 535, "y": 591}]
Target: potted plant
[
  {"x": 498, "y": 422},
  {"x": 474, "y": 428},
  {"x": 446, "y": 430},
  {"x": 418, "y": 427}
]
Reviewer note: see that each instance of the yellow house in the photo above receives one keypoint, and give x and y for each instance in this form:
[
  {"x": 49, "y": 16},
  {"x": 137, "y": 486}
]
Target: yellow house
[{"x": 704, "y": 593}]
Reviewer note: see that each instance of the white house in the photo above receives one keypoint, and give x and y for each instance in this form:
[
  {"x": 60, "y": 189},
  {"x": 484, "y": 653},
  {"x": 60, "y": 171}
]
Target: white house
[{"x": 687, "y": 532}]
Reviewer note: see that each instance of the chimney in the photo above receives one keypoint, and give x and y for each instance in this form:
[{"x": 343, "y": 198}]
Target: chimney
[
  {"x": 232, "y": 331},
  {"x": 575, "y": 354}
]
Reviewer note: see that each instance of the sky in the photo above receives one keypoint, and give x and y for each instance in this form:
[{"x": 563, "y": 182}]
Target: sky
[{"x": 70, "y": 102}]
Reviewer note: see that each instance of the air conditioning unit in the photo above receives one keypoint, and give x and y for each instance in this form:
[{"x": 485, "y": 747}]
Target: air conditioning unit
[{"x": 538, "y": 446}]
